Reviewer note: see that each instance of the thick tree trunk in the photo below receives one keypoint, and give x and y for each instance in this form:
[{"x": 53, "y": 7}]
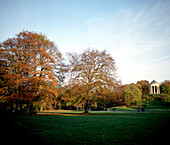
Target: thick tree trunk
[{"x": 86, "y": 106}]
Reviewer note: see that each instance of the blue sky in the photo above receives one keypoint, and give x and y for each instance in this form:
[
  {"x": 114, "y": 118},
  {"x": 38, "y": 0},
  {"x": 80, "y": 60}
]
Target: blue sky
[{"x": 135, "y": 32}]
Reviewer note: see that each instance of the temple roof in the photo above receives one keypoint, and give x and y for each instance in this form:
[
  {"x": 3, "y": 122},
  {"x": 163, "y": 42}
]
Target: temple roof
[{"x": 154, "y": 82}]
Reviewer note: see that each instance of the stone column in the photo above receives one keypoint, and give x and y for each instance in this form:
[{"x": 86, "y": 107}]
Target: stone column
[{"x": 156, "y": 90}]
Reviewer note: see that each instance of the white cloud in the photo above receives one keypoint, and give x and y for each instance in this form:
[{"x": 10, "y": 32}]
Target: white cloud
[{"x": 139, "y": 41}]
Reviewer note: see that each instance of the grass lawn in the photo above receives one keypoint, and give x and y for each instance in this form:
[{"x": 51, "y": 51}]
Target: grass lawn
[{"x": 115, "y": 128}]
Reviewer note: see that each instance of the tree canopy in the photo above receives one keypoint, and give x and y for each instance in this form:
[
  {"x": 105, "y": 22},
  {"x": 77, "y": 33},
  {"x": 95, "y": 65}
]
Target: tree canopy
[
  {"x": 90, "y": 71},
  {"x": 28, "y": 68},
  {"x": 132, "y": 94},
  {"x": 32, "y": 70},
  {"x": 165, "y": 87},
  {"x": 144, "y": 87}
]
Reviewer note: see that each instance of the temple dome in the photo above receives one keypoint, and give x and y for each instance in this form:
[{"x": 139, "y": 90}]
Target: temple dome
[{"x": 154, "y": 82}]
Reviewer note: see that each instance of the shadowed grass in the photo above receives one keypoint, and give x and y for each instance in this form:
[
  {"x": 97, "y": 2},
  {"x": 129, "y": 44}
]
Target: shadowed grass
[{"x": 118, "y": 128}]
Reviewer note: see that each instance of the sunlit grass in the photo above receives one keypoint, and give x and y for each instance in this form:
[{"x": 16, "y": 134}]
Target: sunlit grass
[
  {"x": 61, "y": 111},
  {"x": 151, "y": 106}
]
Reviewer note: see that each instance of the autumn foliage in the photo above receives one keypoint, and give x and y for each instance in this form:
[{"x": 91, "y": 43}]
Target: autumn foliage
[
  {"x": 27, "y": 69},
  {"x": 93, "y": 76},
  {"x": 32, "y": 71}
]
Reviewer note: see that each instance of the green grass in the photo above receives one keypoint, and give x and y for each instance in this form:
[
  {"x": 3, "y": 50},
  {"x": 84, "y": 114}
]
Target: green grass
[
  {"x": 117, "y": 128},
  {"x": 123, "y": 108},
  {"x": 156, "y": 106}
]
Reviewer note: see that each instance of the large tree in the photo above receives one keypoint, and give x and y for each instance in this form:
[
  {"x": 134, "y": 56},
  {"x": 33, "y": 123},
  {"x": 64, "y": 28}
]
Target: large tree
[
  {"x": 89, "y": 72},
  {"x": 31, "y": 62}
]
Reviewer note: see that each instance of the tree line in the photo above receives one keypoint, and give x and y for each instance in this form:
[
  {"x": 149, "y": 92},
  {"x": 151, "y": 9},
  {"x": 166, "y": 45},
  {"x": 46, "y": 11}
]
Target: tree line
[{"x": 33, "y": 70}]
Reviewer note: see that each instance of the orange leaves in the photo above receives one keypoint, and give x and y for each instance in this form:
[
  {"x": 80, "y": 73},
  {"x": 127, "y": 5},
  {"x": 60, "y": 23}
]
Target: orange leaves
[{"x": 30, "y": 66}]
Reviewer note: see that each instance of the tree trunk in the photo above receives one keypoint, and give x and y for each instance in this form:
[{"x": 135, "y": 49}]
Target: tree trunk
[
  {"x": 20, "y": 107},
  {"x": 28, "y": 107},
  {"x": 86, "y": 106},
  {"x": 41, "y": 108},
  {"x": 11, "y": 107}
]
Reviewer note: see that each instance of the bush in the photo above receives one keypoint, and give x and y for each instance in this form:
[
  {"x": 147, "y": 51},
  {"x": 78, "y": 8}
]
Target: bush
[{"x": 159, "y": 97}]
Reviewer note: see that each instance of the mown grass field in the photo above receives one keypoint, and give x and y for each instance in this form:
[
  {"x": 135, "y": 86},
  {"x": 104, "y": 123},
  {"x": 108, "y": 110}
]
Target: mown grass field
[{"x": 115, "y": 128}]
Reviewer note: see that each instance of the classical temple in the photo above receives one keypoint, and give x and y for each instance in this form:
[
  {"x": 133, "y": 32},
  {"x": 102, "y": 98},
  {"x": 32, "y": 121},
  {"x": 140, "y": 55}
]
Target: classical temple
[{"x": 154, "y": 87}]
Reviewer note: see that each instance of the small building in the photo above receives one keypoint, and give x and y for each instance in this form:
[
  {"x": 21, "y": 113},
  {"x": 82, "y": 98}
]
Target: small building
[{"x": 154, "y": 87}]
